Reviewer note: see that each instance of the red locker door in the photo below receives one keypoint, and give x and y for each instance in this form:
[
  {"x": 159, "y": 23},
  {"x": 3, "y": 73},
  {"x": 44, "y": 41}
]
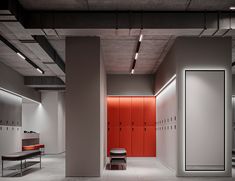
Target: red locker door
[
  {"x": 150, "y": 111},
  {"x": 125, "y": 139},
  {"x": 125, "y": 111},
  {"x": 137, "y": 111},
  {"x": 113, "y": 138},
  {"x": 137, "y": 141},
  {"x": 150, "y": 141},
  {"x": 113, "y": 111}
]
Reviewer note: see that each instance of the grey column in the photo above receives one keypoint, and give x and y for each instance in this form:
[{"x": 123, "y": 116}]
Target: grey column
[{"x": 83, "y": 106}]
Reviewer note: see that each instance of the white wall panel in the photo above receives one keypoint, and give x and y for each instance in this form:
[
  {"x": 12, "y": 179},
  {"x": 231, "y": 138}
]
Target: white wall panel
[
  {"x": 205, "y": 119},
  {"x": 167, "y": 126}
]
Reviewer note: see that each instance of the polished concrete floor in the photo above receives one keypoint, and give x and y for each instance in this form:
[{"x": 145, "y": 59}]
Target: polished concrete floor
[{"x": 138, "y": 169}]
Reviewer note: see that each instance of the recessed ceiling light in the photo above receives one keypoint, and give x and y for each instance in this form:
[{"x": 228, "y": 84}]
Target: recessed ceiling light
[
  {"x": 232, "y": 8},
  {"x": 141, "y": 37},
  {"x": 132, "y": 71},
  {"x": 20, "y": 55},
  {"x": 136, "y": 55},
  {"x": 39, "y": 70}
]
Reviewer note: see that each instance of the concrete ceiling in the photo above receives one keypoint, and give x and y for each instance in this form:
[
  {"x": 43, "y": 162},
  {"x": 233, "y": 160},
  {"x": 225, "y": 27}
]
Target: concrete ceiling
[
  {"x": 128, "y": 5},
  {"x": 22, "y": 39},
  {"x": 119, "y": 51}
]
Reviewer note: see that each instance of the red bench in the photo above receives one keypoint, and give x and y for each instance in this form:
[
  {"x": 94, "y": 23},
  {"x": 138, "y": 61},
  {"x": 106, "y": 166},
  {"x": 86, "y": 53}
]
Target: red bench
[{"x": 33, "y": 147}]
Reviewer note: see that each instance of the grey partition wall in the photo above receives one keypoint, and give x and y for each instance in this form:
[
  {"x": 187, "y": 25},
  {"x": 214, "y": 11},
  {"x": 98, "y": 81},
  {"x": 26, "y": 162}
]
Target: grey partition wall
[
  {"x": 10, "y": 109},
  {"x": 204, "y": 120}
]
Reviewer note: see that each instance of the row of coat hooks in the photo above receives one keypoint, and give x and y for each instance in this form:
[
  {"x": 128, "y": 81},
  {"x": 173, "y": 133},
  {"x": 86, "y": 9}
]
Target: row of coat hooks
[
  {"x": 9, "y": 122},
  {"x": 166, "y": 120},
  {"x": 171, "y": 127},
  {"x": 8, "y": 128}
]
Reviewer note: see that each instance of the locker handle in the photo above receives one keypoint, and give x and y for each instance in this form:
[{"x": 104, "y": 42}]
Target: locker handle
[
  {"x": 120, "y": 129},
  {"x": 132, "y": 129},
  {"x": 108, "y": 129},
  {"x": 120, "y": 123},
  {"x": 144, "y": 129}
]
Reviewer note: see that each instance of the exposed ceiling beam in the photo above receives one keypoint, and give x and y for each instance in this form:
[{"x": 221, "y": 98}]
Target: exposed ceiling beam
[
  {"x": 43, "y": 82},
  {"x": 50, "y": 89},
  {"x": 123, "y": 20},
  {"x": 117, "y": 20},
  {"x": 46, "y": 46}
]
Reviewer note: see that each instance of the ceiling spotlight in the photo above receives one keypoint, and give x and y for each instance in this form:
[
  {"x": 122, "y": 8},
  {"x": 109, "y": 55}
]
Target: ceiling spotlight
[
  {"x": 232, "y": 8},
  {"x": 141, "y": 37},
  {"x": 132, "y": 71},
  {"x": 20, "y": 55},
  {"x": 136, "y": 55},
  {"x": 39, "y": 70}
]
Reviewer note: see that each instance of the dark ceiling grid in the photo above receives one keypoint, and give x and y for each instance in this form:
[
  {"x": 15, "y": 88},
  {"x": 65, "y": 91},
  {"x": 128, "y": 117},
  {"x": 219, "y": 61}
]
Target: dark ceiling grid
[
  {"x": 22, "y": 55},
  {"x": 44, "y": 43}
]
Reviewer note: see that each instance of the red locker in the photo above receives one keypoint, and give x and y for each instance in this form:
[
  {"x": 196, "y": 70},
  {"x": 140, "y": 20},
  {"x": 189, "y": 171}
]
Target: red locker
[
  {"x": 125, "y": 139},
  {"x": 150, "y": 141},
  {"x": 150, "y": 111},
  {"x": 113, "y": 111},
  {"x": 113, "y": 138},
  {"x": 125, "y": 111},
  {"x": 137, "y": 141},
  {"x": 137, "y": 111}
]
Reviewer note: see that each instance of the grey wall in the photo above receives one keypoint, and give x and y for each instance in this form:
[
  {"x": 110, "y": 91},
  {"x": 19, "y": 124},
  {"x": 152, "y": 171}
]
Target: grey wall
[
  {"x": 166, "y": 70},
  {"x": 166, "y": 109},
  {"x": 83, "y": 106},
  {"x": 130, "y": 84},
  {"x": 233, "y": 84},
  {"x": 10, "y": 123},
  {"x": 103, "y": 115},
  {"x": 14, "y": 82},
  {"x": 198, "y": 53},
  {"x": 233, "y": 118},
  {"x": 47, "y": 119},
  {"x": 203, "y": 53}
]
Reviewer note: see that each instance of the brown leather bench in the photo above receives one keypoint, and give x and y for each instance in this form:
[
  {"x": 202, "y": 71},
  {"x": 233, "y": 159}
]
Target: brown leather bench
[{"x": 20, "y": 156}]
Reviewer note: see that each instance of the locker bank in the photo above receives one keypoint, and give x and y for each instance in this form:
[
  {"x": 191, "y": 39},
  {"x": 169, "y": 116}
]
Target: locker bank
[{"x": 117, "y": 90}]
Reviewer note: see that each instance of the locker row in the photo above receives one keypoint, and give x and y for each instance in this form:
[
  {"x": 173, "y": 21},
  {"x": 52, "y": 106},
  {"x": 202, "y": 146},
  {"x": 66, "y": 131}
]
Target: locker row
[
  {"x": 131, "y": 111},
  {"x": 171, "y": 127},
  {"x": 138, "y": 141},
  {"x": 10, "y": 123},
  {"x": 9, "y": 128},
  {"x": 167, "y": 120}
]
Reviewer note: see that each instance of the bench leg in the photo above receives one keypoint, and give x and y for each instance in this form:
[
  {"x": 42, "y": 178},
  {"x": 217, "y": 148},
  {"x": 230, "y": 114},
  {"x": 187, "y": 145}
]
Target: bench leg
[
  {"x": 2, "y": 168},
  {"x": 40, "y": 161},
  {"x": 21, "y": 168}
]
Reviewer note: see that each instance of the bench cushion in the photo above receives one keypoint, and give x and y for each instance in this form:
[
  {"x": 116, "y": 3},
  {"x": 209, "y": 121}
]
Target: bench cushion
[
  {"x": 21, "y": 155},
  {"x": 118, "y": 152}
]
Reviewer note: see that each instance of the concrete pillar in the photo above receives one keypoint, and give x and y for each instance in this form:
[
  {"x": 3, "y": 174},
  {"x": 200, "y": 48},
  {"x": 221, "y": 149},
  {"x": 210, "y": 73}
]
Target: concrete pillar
[{"x": 83, "y": 106}]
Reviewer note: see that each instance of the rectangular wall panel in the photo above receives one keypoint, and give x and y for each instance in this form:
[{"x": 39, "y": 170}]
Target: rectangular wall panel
[
  {"x": 125, "y": 139},
  {"x": 125, "y": 111},
  {"x": 205, "y": 120},
  {"x": 113, "y": 111},
  {"x": 137, "y": 141},
  {"x": 150, "y": 141},
  {"x": 113, "y": 138},
  {"x": 150, "y": 111},
  {"x": 137, "y": 111}
]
